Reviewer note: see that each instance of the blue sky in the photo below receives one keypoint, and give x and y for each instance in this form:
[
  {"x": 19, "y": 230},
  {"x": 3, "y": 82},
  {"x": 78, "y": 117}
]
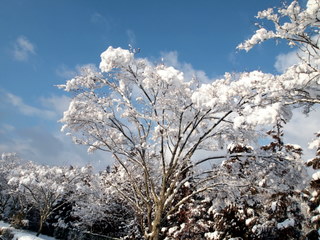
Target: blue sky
[{"x": 43, "y": 43}]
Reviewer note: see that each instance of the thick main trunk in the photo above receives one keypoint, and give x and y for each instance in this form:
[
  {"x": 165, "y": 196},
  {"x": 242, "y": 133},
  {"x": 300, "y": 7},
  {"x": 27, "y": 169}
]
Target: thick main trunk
[
  {"x": 43, "y": 219},
  {"x": 156, "y": 224},
  {"x": 154, "y": 235},
  {"x": 40, "y": 228}
]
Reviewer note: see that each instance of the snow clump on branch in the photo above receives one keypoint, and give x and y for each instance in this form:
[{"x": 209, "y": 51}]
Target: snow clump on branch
[{"x": 115, "y": 58}]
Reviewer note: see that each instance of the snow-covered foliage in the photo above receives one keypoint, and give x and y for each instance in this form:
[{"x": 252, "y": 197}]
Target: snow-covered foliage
[
  {"x": 291, "y": 22},
  {"x": 300, "y": 28},
  {"x": 313, "y": 192},
  {"x": 58, "y": 200},
  {"x": 102, "y": 211},
  {"x": 45, "y": 188},
  {"x": 8, "y": 162}
]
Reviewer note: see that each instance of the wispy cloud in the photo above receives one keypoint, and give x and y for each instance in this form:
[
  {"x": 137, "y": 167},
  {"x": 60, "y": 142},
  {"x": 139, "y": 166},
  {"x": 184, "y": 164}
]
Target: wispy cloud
[
  {"x": 57, "y": 104},
  {"x": 97, "y": 18},
  {"x": 26, "y": 109},
  {"x": 43, "y": 146},
  {"x": 171, "y": 59},
  {"x": 131, "y": 37},
  {"x": 102, "y": 21},
  {"x": 50, "y": 108},
  {"x": 22, "y": 49},
  {"x": 42, "y": 141},
  {"x": 67, "y": 73},
  {"x": 6, "y": 128}
]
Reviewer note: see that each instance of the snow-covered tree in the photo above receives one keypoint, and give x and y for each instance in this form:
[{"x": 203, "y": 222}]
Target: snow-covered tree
[
  {"x": 100, "y": 210},
  {"x": 8, "y": 162},
  {"x": 154, "y": 121},
  {"x": 46, "y": 188}
]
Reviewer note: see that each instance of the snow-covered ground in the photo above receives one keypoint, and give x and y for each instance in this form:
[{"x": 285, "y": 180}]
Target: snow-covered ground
[{"x": 24, "y": 235}]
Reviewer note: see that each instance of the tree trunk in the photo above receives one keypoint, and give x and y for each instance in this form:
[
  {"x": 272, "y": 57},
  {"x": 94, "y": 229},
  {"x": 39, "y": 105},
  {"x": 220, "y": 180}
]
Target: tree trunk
[
  {"x": 156, "y": 224},
  {"x": 43, "y": 218},
  {"x": 40, "y": 227}
]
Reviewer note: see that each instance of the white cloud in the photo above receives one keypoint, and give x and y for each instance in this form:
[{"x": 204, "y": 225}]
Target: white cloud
[
  {"x": 285, "y": 60},
  {"x": 301, "y": 129},
  {"x": 22, "y": 49},
  {"x": 171, "y": 59}
]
